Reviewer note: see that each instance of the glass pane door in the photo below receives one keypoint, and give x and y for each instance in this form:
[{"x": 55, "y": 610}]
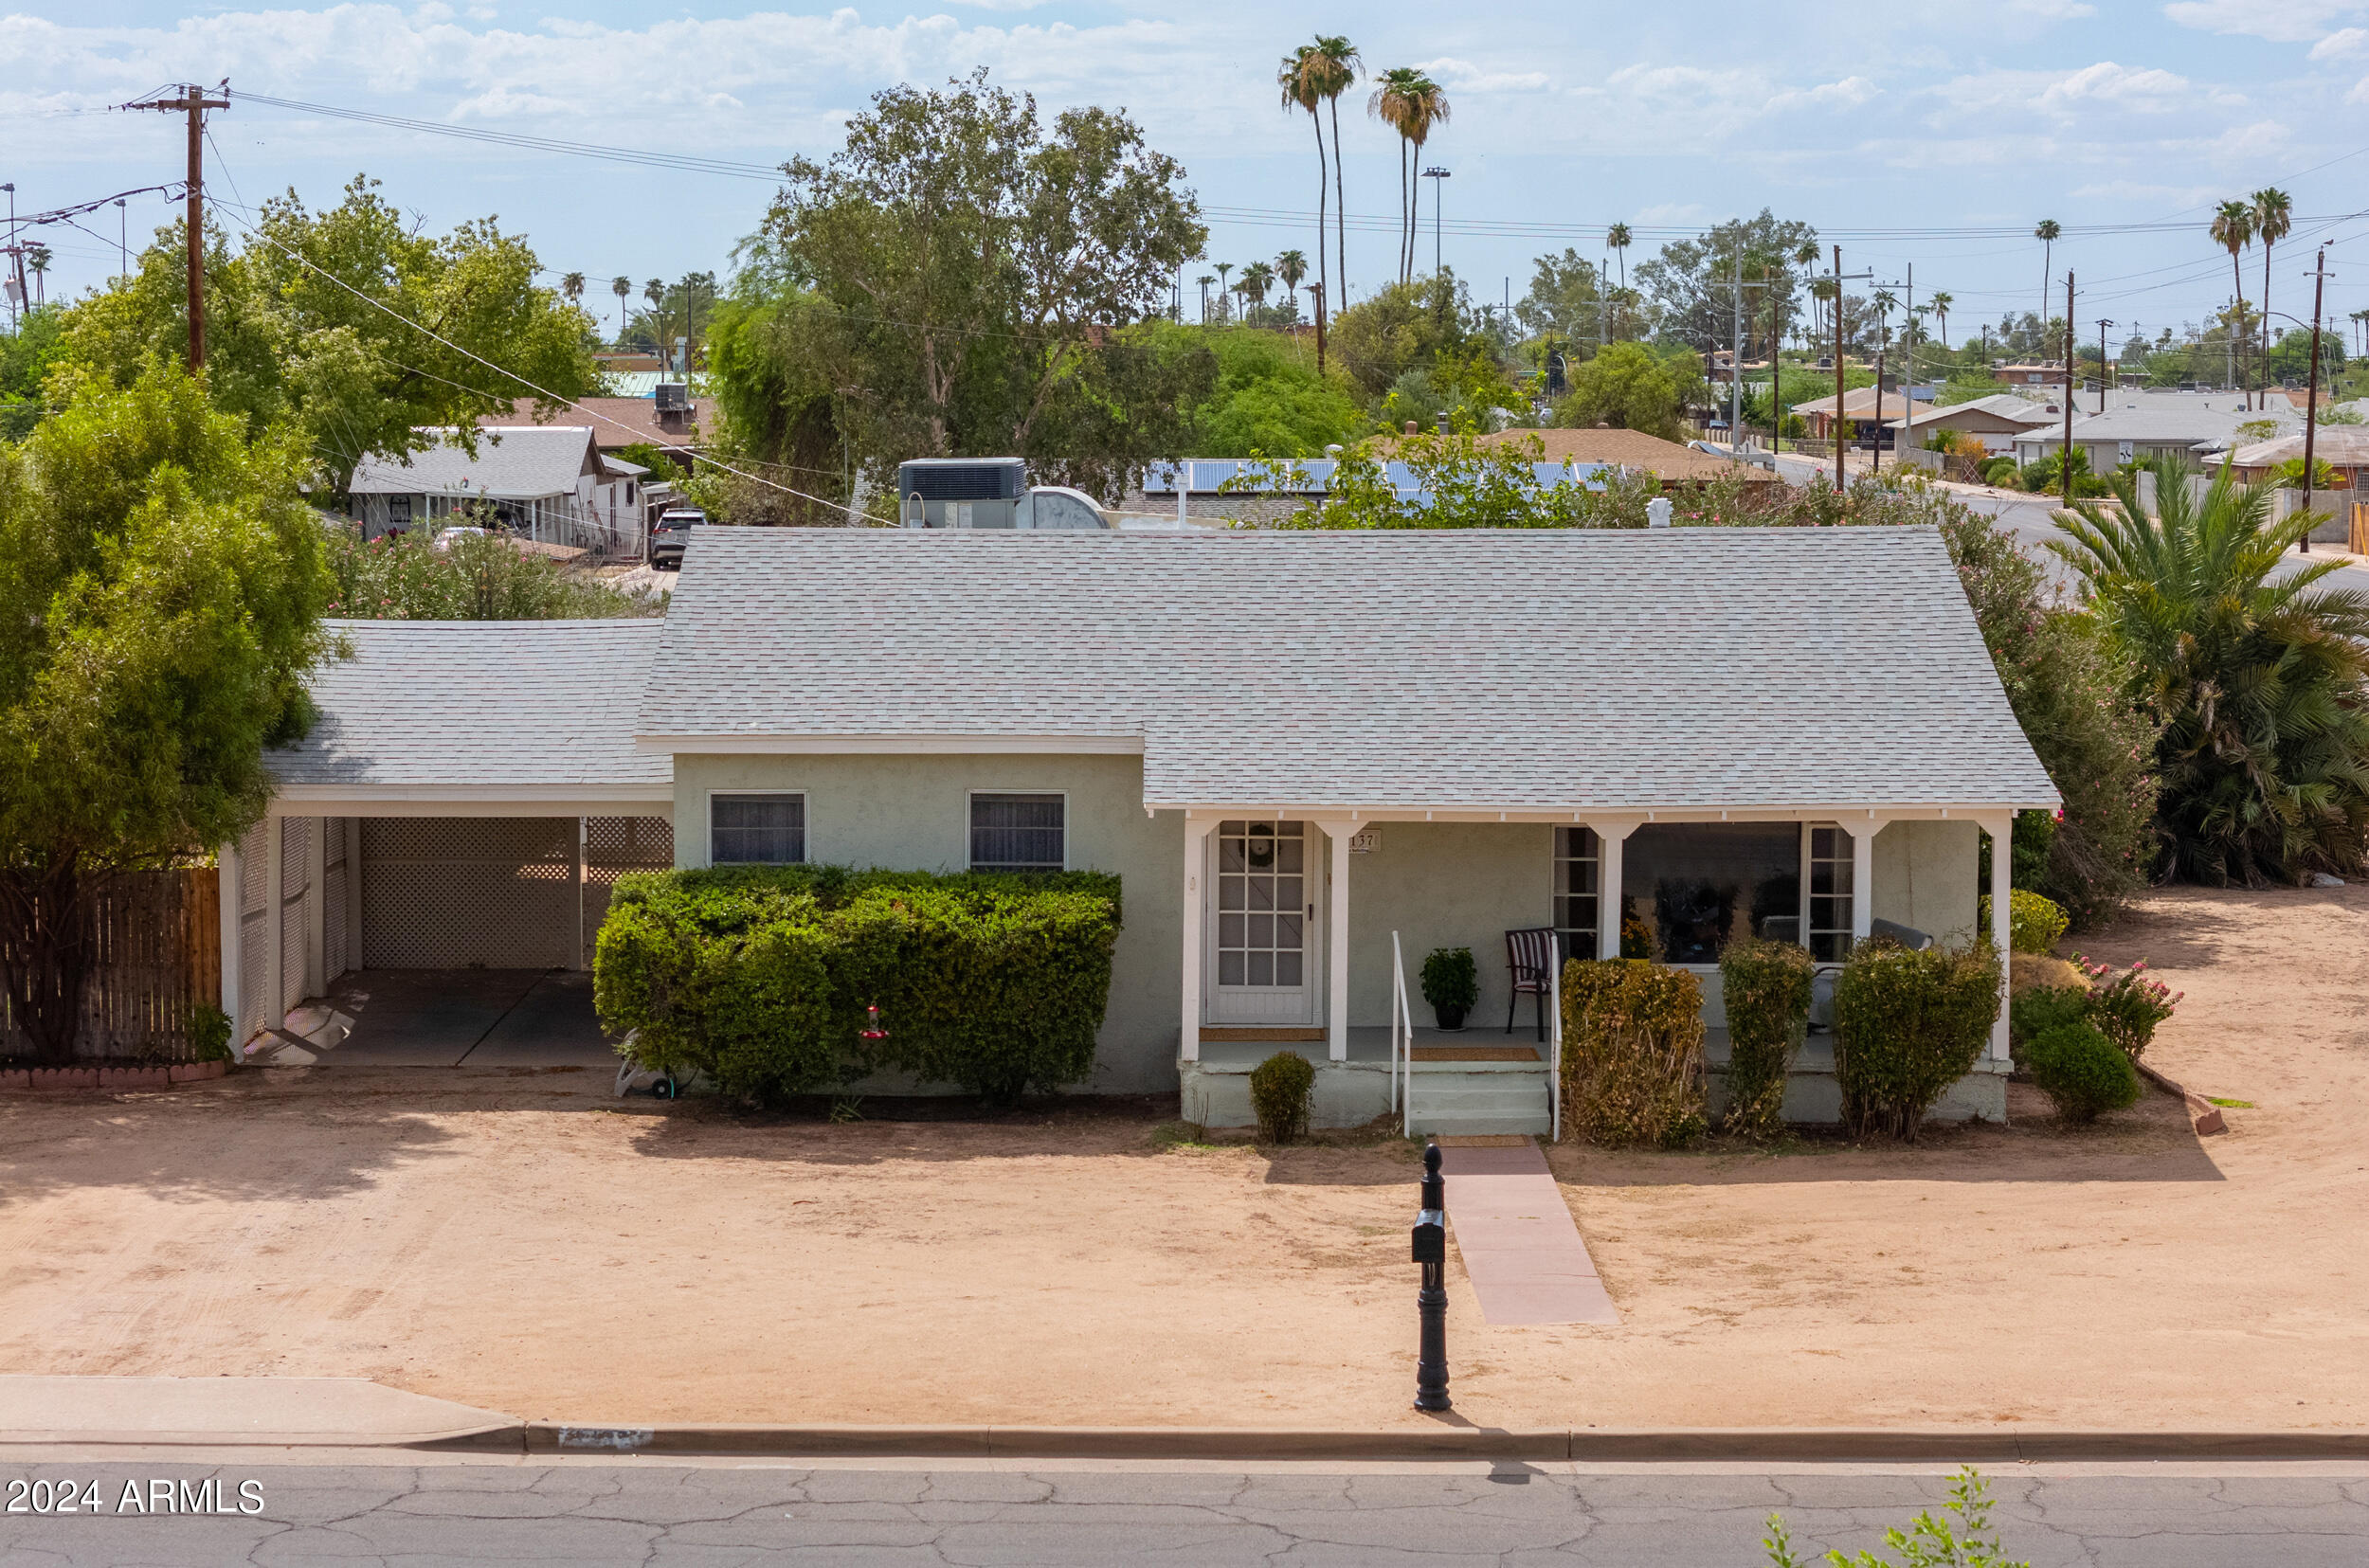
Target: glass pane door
[{"x": 1264, "y": 908}]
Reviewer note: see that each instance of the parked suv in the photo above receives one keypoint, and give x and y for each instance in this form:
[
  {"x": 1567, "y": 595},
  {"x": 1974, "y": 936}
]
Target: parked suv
[{"x": 670, "y": 533}]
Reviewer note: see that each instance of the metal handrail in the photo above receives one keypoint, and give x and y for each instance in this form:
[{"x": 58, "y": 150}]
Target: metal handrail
[
  {"x": 1554, "y": 1068},
  {"x": 1402, "y": 1033}
]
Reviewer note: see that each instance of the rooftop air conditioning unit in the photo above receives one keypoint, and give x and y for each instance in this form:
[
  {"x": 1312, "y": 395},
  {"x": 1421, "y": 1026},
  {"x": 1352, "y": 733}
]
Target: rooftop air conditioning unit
[{"x": 674, "y": 397}]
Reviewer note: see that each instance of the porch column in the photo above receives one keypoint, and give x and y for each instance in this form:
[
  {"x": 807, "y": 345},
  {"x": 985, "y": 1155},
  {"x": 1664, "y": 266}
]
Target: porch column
[
  {"x": 1337, "y": 942},
  {"x": 1610, "y": 837},
  {"x": 1196, "y": 844},
  {"x": 1863, "y": 831},
  {"x": 228, "y": 948},
  {"x": 2002, "y": 832},
  {"x": 275, "y": 906},
  {"x": 316, "y": 908}
]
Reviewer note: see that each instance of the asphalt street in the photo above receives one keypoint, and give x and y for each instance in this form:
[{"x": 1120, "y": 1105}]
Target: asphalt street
[{"x": 705, "y": 1516}]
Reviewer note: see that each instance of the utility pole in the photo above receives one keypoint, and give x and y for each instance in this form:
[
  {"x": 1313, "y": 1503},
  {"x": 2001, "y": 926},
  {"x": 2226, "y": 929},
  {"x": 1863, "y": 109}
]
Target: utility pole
[
  {"x": 1775, "y": 367},
  {"x": 16, "y": 258},
  {"x": 194, "y": 104},
  {"x": 1440, "y": 190},
  {"x": 1908, "y": 369},
  {"x": 123, "y": 240},
  {"x": 1877, "y": 465},
  {"x": 2064, "y": 458},
  {"x": 1318, "y": 290},
  {"x": 1839, "y": 478},
  {"x": 2311, "y": 398},
  {"x": 1735, "y": 361},
  {"x": 2103, "y": 324}
]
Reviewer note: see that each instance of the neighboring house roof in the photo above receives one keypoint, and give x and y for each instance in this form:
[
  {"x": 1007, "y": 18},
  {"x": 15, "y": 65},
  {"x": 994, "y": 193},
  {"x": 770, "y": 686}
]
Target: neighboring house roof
[
  {"x": 2179, "y": 424},
  {"x": 1859, "y": 403},
  {"x": 513, "y": 463},
  {"x": 616, "y": 421},
  {"x": 1630, "y": 450},
  {"x": 1477, "y": 670},
  {"x": 2338, "y": 445},
  {"x": 1999, "y": 408},
  {"x": 517, "y": 709}
]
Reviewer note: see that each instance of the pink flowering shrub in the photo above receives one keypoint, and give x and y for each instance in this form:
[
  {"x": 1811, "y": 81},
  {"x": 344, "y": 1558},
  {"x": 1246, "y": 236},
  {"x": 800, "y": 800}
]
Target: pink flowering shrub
[{"x": 2129, "y": 1005}]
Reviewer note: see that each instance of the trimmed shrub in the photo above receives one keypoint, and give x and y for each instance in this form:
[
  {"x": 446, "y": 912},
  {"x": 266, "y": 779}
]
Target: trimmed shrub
[
  {"x": 209, "y": 1033},
  {"x": 760, "y": 976},
  {"x": 2129, "y": 1005},
  {"x": 1279, "y": 1091},
  {"x": 1766, "y": 987},
  {"x": 2033, "y": 923},
  {"x": 1908, "y": 1024},
  {"x": 1632, "y": 1052},
  {"x": 1450, "y": 982},
  {"x": 2036, "y": 1011},
  {"x": 2085, "y": 1073}
]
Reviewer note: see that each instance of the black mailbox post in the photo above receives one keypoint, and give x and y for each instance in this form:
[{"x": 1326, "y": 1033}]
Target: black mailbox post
[{"x": 1431, "y": 1302}]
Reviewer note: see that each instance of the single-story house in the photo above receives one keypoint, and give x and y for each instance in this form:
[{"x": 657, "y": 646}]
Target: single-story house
[
  {"x": 1673, "y": 464},
  {"x": 1312, "y": 757},
  {"x": 622, "y": 422},
  {"x": 2342, "y": 447},
  {"x": 551, "y": 483},
  {"x": 1864, "y": 413},
  {"x": 1995, "y": 420},
  {"x": 2138, "y": 431},
  {"x": 2043, "y": 372}
]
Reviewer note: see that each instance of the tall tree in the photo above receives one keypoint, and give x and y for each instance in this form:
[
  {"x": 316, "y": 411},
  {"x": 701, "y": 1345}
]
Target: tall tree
[
  {"x": 2273, "y": 217},
  {"x": 1297, "y": 78},
  {"x": 623, "y": 288},
  {"x": 1335, "y": 65},
  {"x": 1941, "y": 302},
  {"x": 655, "y": 292},
  {"x": 571, "y": 287},
  {"x": 1258, "y": 279},
  {"x": 1290, "y": 268},
  {"x": 1692, "y": 281},
  {"x": 1618, "y": 238},
  {"x": 2232, "y": 231},
  {"x": 1393, "y": 103},
  {"x": 2045, "y": 231},
  {"x": 161, "y": 589}
]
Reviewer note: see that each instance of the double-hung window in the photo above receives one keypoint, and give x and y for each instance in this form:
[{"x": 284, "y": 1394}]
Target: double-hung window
[
  {"x": 1579, "y": 860},
  {"x": 1019, "y": 832},
  {"x": 756, "y": 830}
]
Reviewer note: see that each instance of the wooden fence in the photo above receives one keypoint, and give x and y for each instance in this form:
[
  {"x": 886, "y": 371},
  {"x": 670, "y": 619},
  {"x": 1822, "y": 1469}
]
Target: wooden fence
[{"x": 156, "y": 954}]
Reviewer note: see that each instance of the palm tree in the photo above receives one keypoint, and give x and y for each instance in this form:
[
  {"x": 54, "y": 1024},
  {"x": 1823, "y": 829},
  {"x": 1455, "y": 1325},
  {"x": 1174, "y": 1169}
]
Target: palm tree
[
  {"x": 2232, "y": 231},
  {"x": 1334, "y": 63},
  {"x": 623, "y": 289},
  {"x": 1393, "y": 103},
  {"x": 571, "y": 287},
  {"x": 2257, "y": 680},
  {"x": 1884, "y": 299},
  {"x": 2046, "y": 232},
  {"x": 655, "y": 292},
  {"x": 1805, "y": 257},
  {"x": 2273, "y": 216},
  {"x": 1204, "y": 281},
  {"x": 1258, "y": 279},
  {"x": 1823, "y": 290},
  {"x": 1291, "y": 267},
  {"x": 1940, "y": 311},
  {"x": 1617, "y": 237},
  {"x": 1223, "y": 267},
  {"x": 37, "y": 258},
  {"x": 2361, "y": 318},
  {"x": 1296, "y": 76}
]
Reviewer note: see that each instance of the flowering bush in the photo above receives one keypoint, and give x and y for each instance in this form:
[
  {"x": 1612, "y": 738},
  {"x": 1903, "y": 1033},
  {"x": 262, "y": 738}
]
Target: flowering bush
[{"x": 2127, "y": 1006}]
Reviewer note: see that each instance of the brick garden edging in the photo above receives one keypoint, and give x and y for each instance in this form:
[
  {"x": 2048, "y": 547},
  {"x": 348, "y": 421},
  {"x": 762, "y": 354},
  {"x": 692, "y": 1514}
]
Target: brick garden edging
[
  {"x": 2203, "y": 1115},
  {"x": 162, "y": 1076}
]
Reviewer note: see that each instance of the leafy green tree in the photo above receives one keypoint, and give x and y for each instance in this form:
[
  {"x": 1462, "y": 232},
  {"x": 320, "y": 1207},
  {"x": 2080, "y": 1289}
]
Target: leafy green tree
[
  {"x": 161, "y": 589},
  {"x": 414, "y": 576},
  {"x": 1629, "y": 387},
  {"x": 27, "y": 353},
  {"x": 1691, "y": 282},
  {"x": 2260, "y": 682},
  {"x": 313, "y": 321},
  {"x": 2290, "y": 359},
  {"x": 1266, "y": 399},
  {"x": 1566, "y": 296},
  {"x": 1401, "y": 327},
  {"x": 944, "y": 285}
]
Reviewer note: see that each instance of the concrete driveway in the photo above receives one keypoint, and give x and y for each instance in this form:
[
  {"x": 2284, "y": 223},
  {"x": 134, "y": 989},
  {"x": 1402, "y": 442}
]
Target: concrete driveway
[{"x": 469, "y": 1018}]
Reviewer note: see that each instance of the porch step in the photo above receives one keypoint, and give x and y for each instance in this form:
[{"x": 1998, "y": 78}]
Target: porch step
[{"x": 1480, "y": 1097}]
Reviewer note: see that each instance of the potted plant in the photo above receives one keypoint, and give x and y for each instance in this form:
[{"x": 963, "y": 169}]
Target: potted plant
[{"x": 1451, "y": 985}]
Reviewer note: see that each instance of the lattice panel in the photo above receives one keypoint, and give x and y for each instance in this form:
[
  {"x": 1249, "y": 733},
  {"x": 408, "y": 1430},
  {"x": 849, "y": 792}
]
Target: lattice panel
[
  {"x": 614, "y": 846},
  {"x": 253, "y": 868},
  {"x": 456, "y": 892},
  {"x": 296, "y": 854},
  {"x": 334, "y": 916}
]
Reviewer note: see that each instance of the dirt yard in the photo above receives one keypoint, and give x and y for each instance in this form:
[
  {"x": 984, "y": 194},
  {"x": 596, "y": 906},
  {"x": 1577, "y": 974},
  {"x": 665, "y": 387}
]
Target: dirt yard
[{"x": 521, "y": 1241}]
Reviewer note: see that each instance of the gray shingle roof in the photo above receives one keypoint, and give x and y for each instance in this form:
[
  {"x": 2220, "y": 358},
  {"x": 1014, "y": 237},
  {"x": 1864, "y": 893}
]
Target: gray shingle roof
[
  {"x": 1514, "y": 669},
  {"x": 479, "y": 702},
  {"x": 513, "y": 463}
]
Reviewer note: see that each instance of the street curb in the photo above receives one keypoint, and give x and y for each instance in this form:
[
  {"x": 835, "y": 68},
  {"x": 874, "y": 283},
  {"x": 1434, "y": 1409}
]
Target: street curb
[
  {"x": 2203, "y": 1115},
  {"x": 2003, "y": 1444}
]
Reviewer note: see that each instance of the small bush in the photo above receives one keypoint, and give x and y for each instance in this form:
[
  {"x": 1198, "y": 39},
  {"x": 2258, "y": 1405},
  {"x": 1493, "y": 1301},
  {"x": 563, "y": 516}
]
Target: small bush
[
  {"x": 1908, "y": 1024},
  {"x": 1450, "y": 981},
  {"x": 2085, "y": 1073},
  {"x": 1279, "y": 1091},
  {"x": 760, "y": 976},
  {"x": 1632, "y": 1052},
  {"x": 2033, "y": 923},
  {"x": 209, "y": 1033},
  {"x": 2035, "y": 1012},
  {"x": 1766, "y": 987},
  {"x": 1928, "y": 1542},
  {"x": 2129, "y": 1005}
]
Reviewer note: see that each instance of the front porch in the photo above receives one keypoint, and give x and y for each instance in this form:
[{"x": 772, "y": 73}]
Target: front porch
[{"x": 1469, "y": 1081}]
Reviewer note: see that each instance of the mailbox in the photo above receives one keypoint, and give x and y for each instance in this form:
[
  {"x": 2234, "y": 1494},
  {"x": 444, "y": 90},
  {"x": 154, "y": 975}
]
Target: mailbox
[{"x": 1431, "y": 1236}]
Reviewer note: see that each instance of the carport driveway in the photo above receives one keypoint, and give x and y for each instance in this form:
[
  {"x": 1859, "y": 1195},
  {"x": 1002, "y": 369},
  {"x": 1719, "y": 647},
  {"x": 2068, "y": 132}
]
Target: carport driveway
[{"x": 469, "y": 1018}]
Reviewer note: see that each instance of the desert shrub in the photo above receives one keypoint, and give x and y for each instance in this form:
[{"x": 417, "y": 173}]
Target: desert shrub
[
  {"x": 476, "y": 577},
  {"x": 2129, "y": 1005},
  {"x": 2085, "y": 1073},
  {"x": 1279, "y": 1091},
  {"x": 1766, "y": 986},
  {"x": 1633, "y": 1052},
  {"x": 761, "y": 976},
  {"x": 209, "y": 1033},
  {"x": 1450, "y": 980},
  {"x": 2033, "y": 923},
  {"x": 2026, "y": 970},
  {"x": 1908, "y": 1024},
  {"x": 2034, "y": 1011}
]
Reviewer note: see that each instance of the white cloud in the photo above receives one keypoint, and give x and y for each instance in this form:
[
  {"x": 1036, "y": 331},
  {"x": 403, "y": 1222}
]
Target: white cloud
[
  {"x": 2051, "y": 10},
  {"x": 1850, "y": 92},
  {"x": 2278, "y": 21},
  {"x": 2107, "y": 82},
  {"x": 1463, "y": 74},
  {"x": 1671, "y": 215},
  {"x": 2342, "y": 45}
]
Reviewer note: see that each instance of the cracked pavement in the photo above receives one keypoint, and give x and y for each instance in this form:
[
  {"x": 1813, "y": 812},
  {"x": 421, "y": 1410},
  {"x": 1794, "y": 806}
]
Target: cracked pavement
[{"x": 716, "y": 1514}]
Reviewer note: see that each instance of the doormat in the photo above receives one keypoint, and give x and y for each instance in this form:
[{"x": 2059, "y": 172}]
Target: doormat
[
  {"x": 1220, "y": 1036},
  {"x": 1466, "y": 1053}
]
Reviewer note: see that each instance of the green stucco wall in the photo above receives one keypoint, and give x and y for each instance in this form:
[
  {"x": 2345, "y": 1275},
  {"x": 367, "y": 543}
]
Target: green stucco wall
[
  {"x": 1927, "y": 877},
  {"x": 1445, "y": 885}
]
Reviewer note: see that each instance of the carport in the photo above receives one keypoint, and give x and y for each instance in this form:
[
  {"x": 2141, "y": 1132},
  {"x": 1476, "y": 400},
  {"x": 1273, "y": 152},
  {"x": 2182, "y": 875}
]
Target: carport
[{"x": 437, "y": 820}]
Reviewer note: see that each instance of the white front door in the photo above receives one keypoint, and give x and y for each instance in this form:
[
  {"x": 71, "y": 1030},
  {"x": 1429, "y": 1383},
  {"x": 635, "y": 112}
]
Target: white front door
[{"x": 1263, "y": 890}]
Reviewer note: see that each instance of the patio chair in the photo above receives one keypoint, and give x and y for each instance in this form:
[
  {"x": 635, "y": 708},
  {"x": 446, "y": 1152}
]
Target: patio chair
[{"x": 1531, "y": 960}]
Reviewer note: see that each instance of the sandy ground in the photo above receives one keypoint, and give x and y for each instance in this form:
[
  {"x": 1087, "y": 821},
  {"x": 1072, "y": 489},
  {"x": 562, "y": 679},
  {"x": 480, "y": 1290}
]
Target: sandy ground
[{"x": 520, "y": 1241}]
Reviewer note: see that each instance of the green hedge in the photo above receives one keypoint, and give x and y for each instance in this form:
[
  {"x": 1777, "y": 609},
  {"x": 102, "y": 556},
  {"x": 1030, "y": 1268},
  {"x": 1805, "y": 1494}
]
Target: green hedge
[
  {"x": 2082, "y": 1071},
  {"x": 760, "y": 976},
  {"x": 2033, "y": 923},
  {"x": 1280, "y": 1089},
  {"x": 1632, "y": 1052},
  {"x": 1765, "y": 989},
  {"x": 1908, "y": 1024}
]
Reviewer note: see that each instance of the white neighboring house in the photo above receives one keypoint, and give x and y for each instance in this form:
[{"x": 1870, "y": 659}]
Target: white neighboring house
[
  {"x": 549, "y": 483},
  {"x": 2140, "y": 429}
]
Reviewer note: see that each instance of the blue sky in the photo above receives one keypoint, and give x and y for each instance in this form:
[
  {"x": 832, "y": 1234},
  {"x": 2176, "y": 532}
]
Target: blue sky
[{"x": 1870, "y": 122}]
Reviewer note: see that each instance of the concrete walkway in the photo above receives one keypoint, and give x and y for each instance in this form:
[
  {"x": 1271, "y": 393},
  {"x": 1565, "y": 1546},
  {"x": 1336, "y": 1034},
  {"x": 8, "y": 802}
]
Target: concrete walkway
[
  {"x": 220, "y": 1412},
  {"x": 1520, "y": 1246}
]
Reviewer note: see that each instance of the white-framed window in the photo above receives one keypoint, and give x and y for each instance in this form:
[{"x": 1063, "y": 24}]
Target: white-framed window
[
  {"x": 1013, "y": 831},
  {"x": 756, "y": 828},
  {"x": 1579, "y": 861},
  {"x": 1826, "y": 899}
]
